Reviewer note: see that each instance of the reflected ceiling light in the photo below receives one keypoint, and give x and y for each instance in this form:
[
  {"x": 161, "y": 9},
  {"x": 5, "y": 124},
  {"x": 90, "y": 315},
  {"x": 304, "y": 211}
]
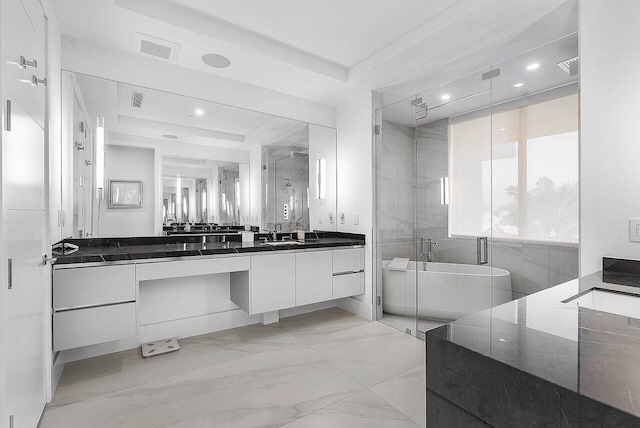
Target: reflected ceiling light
[
  {"x": 445, "y": 97},
  {"x": 503, "y": 129},
  {"x": 170, "y": 137},
  {"x": 216, "y": 61},
  {"x": 533, "y": 66},
  {"x": 518, "y": 85},
  {"x": 199, "y": 112}
]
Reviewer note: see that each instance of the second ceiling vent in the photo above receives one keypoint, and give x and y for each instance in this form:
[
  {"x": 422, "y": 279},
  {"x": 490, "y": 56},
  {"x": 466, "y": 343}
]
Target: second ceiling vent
[{"x": 154, "y": 46}]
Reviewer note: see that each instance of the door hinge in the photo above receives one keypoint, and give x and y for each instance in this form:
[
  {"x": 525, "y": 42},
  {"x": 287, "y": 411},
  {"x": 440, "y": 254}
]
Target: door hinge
[
  {"x": 10, "y": 273},
  {"x": 379, "y": 301},
  {"x": 11, "y": 421},
  {"x": 24, "y": 63},
  {"x": 7, "y": 124},
  {"x": 35, "y": 81},
  {"x": 376, "y": 130},
  {"x": 491, "y": 74}
]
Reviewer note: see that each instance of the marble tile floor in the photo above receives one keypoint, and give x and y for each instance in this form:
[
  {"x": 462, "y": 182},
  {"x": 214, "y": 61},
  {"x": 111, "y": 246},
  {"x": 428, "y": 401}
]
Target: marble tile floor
[
  {"x": 403, "y": 323},
  {"x": 323, "y": 369}
]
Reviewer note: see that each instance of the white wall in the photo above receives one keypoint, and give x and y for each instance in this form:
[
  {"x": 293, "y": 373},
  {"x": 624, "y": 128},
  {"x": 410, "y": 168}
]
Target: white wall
[
  {"x": 128, "y": 163},
  {"x": 355, "y": 186},
  {"x": 609, "y": 129}
]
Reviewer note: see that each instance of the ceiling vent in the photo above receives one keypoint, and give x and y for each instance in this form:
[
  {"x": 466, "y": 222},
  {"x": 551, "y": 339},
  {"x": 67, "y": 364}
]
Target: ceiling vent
[
  {"x": 136, "y": 99},
  {"x": 154, "y": 46},
  {"x": 569, "y": 66}
]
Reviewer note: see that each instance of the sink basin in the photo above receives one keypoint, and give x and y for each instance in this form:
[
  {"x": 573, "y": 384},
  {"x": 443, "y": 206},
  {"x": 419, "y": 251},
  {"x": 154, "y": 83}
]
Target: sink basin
[
  {"x": 277, "y": 243},
  {"x": 615, "y": 302}
]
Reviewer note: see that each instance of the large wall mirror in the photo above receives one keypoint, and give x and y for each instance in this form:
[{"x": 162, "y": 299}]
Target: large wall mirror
[{"x": 138, "y": 162}]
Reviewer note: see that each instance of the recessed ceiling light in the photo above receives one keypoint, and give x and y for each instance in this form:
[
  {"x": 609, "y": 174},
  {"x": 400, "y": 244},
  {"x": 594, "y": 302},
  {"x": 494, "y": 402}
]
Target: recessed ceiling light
[
  {"x": 216, "y": 61},
  {"x": 199, "y": 112},
  {"x": 170, "y": 137},
  {"x": 533, "y": 66},
  {"x": 445, "y": 97},
  {"x": 518, "y": 85},
  {"x": 503, "y": 129}
]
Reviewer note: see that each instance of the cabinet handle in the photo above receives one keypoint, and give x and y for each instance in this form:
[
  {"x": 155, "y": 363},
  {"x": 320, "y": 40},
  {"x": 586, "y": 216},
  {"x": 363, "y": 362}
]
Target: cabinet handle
[
  {"x": 7, "y": 125},
  {"x": 10, "y": 273}
]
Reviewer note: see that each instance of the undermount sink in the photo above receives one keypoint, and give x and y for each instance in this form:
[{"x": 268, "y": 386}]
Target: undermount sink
[
  {"x": 615, "y": 302},
  {"x": 276, "y": 243}
]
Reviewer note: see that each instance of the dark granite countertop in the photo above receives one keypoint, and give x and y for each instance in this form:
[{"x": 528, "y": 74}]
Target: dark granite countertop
[
  {"x": 156, "y": 247},
  {"x": 590, "y": 352}
]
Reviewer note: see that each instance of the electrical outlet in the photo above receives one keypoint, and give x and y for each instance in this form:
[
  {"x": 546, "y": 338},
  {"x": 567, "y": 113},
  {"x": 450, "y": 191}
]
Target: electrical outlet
[
  {"x": 356, "y": 219},
  {"x": 341, "y": 218}
]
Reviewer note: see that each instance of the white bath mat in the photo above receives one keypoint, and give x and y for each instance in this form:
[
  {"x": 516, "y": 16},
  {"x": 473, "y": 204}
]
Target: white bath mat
[
  {"x": 399, "y": 263},
  {"x": 159, "y": 347}
]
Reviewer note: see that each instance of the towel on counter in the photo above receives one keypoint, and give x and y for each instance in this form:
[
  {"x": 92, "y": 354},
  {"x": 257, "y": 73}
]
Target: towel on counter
[{"x": 398, "y": 263}]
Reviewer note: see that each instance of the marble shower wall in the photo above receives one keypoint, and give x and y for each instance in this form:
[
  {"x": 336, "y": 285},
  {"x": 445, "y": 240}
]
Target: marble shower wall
[{"x": 395, "y": 191}]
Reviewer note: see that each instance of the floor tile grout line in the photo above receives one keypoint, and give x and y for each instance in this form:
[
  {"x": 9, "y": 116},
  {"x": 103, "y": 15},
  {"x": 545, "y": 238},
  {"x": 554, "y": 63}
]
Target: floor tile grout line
[
  {"x": 396, "y": 375},
  {"x": 407, "y": 416}
]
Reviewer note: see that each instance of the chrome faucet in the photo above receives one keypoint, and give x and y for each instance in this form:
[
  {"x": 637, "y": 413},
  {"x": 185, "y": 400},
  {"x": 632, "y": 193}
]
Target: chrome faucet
[{"x": 428, "y": 256}]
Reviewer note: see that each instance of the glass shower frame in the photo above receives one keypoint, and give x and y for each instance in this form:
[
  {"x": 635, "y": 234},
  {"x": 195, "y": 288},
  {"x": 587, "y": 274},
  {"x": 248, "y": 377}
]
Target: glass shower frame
[{"x": 430, "y": 185}]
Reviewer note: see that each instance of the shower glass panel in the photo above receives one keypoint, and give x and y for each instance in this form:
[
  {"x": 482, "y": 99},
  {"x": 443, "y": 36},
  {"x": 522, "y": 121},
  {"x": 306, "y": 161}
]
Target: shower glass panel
[
  {"x": 453, "y": 172},
  {"x": 395, "y": 166},
  {"x": 477, "y": 187}
]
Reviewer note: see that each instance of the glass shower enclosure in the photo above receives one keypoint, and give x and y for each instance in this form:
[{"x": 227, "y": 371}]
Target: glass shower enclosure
[{"x": 476, "y": 186}]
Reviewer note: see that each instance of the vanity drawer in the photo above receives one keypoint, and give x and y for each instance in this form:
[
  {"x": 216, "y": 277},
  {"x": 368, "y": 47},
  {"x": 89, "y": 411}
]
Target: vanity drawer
[
  {"x": 83, "y": 327},
  {"x": 93, "y": 286},
  {"x": 348, "y": 260},
  {"x": 346, "y": 285},
  {"x": 177, "y": 269}
]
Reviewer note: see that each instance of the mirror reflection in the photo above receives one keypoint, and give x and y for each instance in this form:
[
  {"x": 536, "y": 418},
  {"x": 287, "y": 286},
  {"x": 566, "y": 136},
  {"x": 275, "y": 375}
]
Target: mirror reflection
[{"x": 191, "y": 165}]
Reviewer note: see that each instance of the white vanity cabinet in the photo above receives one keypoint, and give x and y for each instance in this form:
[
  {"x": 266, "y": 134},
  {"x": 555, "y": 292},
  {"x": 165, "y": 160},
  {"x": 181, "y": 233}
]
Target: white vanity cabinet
[
  {"x": 314, "y": 276},
  {"x": 348, "y": 272},
  {"x": 269, "y": 286},
  {"x": 93, "y": 305}
]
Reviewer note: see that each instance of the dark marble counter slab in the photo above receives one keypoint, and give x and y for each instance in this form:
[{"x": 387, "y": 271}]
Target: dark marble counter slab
[
  {"x": 537, "y": 361},
  {"x": 156, "y": 247}
]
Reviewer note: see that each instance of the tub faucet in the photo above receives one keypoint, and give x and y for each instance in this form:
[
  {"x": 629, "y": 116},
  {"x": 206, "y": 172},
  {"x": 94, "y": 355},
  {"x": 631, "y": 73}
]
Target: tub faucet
[{"x": 428, "y": 257}]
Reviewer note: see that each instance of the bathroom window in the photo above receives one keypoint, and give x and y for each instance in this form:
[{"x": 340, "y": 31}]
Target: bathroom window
[{"x": 514, "y": 174}]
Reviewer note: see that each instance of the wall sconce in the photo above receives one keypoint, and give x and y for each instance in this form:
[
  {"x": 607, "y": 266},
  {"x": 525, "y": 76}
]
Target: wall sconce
[
  {"x": 444, "y": 190},
  {"x": 178, "y": 198},
  {"x": 100, "y": 158},
  {"x": 321, "y": 179}
]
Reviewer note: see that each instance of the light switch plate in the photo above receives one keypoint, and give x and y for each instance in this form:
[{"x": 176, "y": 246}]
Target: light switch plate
[
  {"x": 341, "y": 218},
  {"x": 634, "y": 230}
]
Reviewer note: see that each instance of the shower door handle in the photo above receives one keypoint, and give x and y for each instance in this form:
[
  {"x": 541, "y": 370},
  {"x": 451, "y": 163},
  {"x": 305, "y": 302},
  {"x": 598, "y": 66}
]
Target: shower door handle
[{"x": 482, "y": 244}]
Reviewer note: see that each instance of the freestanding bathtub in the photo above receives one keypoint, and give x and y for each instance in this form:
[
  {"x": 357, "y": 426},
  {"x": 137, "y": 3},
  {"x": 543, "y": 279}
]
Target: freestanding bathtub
[{"x": 446, "y": 291}]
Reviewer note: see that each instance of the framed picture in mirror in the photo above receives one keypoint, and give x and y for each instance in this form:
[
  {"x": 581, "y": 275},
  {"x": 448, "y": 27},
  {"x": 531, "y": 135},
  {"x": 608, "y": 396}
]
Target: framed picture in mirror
[{"x": 125, "y": 194}]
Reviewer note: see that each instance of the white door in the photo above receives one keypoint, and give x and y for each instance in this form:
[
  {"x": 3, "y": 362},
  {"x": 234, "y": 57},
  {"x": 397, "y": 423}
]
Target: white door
[{"x": 24, "y": 214}]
